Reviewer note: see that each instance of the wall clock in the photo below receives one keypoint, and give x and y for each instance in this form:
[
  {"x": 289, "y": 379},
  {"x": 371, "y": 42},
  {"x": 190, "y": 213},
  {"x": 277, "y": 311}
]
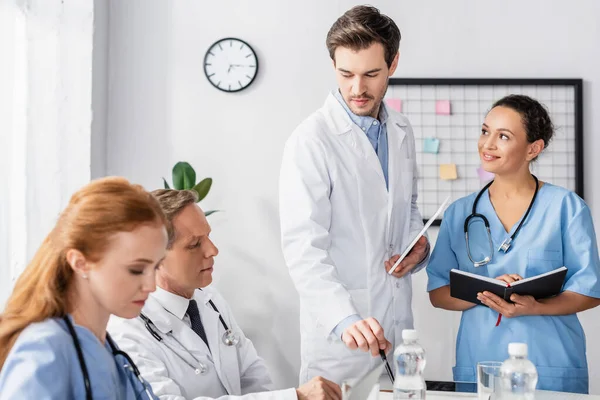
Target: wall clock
[{"x": 230, "y": 65}]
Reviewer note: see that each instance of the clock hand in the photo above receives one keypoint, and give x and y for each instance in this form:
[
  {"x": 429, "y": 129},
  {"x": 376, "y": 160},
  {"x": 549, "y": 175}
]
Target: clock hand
[{"x": 229, "y": 69}]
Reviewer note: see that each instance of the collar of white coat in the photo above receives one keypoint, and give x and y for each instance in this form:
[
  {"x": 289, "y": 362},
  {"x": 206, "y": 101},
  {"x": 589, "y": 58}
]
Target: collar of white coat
[
  {"x": 342, "y": 121},
  {"x": 163, "y": 305}
]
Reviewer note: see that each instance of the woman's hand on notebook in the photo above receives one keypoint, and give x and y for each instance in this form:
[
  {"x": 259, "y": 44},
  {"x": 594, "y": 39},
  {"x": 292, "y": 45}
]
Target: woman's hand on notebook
[
  {"x": 522, "y": 305},
  {"x": 509, "y": 278}
]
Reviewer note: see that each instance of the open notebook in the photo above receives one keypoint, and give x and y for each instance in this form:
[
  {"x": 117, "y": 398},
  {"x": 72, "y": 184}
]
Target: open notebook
[{"x": 465, "y": 285}]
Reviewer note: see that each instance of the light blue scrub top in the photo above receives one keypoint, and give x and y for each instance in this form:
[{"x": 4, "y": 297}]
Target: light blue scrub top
[
  {"x": 43, "y": 364},
  {"x": 558, "y": 232}
]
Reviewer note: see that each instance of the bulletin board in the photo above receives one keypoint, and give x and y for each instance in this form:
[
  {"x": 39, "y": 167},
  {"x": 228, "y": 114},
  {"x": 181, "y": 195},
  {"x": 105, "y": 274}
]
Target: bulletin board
[{"x": 446, "y": 116}]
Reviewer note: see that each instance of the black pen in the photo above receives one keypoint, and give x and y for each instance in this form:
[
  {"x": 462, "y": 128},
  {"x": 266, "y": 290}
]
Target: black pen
[{"x": 387, "y": 365}]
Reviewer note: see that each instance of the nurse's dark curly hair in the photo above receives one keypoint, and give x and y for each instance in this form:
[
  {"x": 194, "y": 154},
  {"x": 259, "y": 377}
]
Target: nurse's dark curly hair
[{"x": 534, "y": 116}]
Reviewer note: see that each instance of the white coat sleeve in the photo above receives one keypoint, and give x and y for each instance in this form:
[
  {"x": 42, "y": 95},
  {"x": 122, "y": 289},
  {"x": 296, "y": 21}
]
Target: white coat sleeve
[
  {"x": 305, "y": 217},
  {"x": 416, "y": 219}
]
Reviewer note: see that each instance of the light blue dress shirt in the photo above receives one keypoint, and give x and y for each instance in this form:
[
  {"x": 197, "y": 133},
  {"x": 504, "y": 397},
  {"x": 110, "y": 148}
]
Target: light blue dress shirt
[
  {"x": 375, "y": 129},
  {"x": 558, "y": 232},
  {"x": 376, "y": 132},
  {"x": 43, "y": 364}
]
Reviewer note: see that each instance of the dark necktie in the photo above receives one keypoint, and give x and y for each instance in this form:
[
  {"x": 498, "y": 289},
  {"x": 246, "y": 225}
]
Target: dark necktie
[{"x": 192, "y": 312}]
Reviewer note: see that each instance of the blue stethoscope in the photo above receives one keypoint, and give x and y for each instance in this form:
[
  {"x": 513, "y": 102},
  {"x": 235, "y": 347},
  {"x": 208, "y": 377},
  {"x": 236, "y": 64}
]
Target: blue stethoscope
[
  {"x": 505, "y": 246},
  {"x": 229, "y": 338},
  {"x": 130, "y": 365}
]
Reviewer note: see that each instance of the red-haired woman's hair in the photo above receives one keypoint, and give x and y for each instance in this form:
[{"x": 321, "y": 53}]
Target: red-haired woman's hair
[{"x": 94, "y": 214}]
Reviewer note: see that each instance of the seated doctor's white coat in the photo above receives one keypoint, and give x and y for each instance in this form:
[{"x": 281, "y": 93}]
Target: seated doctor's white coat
[
  {"x": 233, "y": 371},
  {"x": 339, "y": 224}
]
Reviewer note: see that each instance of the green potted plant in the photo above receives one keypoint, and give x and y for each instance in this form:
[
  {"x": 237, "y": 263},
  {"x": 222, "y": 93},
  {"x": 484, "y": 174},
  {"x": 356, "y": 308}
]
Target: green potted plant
[{"x": 184, "y": 178}]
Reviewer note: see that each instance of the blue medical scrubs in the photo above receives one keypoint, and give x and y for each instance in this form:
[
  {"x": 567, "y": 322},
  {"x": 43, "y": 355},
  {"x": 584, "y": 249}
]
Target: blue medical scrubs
[
  {"x": 558, "y": 232},
  {"x": 43, "y": 364}
]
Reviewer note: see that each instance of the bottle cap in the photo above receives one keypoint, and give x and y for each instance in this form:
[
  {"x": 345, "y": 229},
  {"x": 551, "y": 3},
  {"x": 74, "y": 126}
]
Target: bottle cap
[
  {"x": 409, "y": 334},
  {"x": 517, "y": 349}
]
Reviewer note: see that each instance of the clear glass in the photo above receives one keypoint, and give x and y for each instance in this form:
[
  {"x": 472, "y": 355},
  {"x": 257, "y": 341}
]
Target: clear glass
[{"x": 488, "y": 380}]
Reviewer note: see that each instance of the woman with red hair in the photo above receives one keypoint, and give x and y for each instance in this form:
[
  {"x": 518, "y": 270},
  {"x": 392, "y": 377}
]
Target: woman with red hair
[{"x": 99, "y": 259}]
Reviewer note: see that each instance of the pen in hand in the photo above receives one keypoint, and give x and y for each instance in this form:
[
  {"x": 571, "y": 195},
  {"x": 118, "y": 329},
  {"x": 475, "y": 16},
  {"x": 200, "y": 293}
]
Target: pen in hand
[{"x": 387, "y": 365}]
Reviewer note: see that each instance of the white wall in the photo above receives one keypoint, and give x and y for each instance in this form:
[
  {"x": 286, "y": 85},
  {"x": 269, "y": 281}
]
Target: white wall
[
  {"x": 12, "y": 144},
  {"x": 162, "y": 109},
  {"x": 99, "y": 89},
  {"x": 45, "y": 120}
]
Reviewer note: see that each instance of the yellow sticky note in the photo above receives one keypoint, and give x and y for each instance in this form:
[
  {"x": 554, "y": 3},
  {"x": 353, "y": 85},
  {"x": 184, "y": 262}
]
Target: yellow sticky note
[{"x": 448, "y": 172}]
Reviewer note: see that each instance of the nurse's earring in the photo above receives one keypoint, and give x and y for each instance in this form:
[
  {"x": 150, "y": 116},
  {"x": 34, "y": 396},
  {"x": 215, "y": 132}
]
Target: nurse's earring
[{"x": 77, "y": 262}]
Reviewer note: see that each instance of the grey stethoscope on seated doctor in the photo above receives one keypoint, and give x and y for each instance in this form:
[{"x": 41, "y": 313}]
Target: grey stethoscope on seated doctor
[
  {"x": 505, "y": 246},
  {"x": 229, "y": 338}
]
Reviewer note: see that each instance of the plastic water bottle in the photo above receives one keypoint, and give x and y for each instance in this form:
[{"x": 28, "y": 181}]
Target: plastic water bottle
[
  {"x": 409, "y": 358},
  {"x": 518, "y": 375}
]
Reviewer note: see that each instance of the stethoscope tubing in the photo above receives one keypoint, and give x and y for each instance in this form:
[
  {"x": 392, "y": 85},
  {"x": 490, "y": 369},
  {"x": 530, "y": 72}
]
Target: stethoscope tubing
[
  {"x": 229, "y": 339},
  {"x": 506, "y": 244}
]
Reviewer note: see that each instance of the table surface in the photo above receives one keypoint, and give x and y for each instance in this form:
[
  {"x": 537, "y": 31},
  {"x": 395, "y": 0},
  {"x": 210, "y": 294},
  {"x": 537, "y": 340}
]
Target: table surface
[{"x": 539, "y": 395}]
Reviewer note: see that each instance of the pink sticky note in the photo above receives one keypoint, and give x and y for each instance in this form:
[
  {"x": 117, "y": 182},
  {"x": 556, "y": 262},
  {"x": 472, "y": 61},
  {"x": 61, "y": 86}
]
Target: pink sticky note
[
  {"x": 484, "y": 176},
  {"x": 394, "y": 104},
  {"x": 442, "y": 107}
]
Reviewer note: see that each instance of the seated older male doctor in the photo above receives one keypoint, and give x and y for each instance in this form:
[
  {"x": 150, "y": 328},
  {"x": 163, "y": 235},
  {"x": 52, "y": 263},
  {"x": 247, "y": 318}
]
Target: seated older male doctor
[{"x": 186, "y": 343}]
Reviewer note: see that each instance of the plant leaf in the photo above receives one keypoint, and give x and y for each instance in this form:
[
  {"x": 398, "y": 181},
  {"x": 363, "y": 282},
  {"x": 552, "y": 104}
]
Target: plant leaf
[
  {"x": 166, "y": 184},
  {"x": 207, "y": 213},
  {"x": 184, "y": 176},
  {"x": 203, "y": 187}
]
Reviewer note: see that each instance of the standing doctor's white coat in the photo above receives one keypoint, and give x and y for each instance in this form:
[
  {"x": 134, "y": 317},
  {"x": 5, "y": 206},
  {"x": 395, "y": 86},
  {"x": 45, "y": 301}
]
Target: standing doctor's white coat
[
  {"x": 339, "y": 224},
  {"x": 232, "y": 370}
]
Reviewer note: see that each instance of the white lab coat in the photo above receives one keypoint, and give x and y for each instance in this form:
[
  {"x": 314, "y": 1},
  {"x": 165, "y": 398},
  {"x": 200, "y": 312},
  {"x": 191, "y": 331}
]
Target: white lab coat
[
  {"x": 338, "y": 225},
  {"x": 236, "y": 369}
]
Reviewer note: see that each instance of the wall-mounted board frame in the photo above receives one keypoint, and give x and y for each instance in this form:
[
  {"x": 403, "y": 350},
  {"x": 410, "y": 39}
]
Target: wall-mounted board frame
[{"x": 446, "y": 115}]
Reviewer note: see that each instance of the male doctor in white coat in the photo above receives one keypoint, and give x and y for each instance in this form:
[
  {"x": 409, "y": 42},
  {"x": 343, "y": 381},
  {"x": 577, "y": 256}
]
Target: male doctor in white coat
[
  {"x": 179, "y": 343},
  {"x": 348, "y": 192}
]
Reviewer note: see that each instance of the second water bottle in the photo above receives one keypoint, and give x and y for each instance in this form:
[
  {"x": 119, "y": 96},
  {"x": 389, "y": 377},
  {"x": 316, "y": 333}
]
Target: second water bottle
[{"x": 409, "y": 358}]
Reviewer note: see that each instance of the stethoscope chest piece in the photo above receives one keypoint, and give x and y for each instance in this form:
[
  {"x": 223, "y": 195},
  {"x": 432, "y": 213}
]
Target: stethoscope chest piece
[
  {"x": 229, "y": 338},
  {"x": 201, "y": 370},
  {"x": 505, "y": 245}
]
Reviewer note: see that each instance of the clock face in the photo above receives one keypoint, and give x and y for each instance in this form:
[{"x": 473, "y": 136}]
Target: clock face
[{"x": 230, "y": 65}]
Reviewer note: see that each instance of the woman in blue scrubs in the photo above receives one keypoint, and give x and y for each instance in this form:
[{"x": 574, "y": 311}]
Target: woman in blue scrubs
[
  {"x": 99, "y": 259},
  {"x": 558, "y": 231}
]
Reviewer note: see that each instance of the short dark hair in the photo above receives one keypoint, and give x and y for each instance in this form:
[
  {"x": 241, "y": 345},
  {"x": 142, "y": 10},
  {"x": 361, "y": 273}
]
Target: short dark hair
[
  {"x": 172, "y": 203},
  {"x": 362, "y": 26},
  {"x": 534, "y": 116}
]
